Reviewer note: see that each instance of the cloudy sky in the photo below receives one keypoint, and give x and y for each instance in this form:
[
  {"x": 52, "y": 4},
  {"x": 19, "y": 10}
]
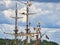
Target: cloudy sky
[{"x": 46, "y": 11}]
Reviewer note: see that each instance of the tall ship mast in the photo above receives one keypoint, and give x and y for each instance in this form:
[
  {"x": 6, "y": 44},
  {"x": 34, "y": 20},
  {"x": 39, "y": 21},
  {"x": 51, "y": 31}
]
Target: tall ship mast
[
  {"x": 16, "y": 34},
  {"x": 28, "y": 4}
]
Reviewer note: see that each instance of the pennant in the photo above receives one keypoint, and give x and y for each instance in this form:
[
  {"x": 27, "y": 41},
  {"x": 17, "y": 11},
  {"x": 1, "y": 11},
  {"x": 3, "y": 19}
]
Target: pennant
[{"x": 47, "y": 37}]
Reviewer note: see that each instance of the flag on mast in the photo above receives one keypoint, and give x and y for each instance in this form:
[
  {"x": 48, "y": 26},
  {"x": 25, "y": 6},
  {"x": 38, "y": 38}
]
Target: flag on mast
[{"x": 47, "y": 37}]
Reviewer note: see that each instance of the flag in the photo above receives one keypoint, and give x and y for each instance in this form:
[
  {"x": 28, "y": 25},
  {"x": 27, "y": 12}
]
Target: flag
[
  {"x": 35, "y": 28},
  {"x": 38, "y": 25},
  {"x": 47, "y": 37},
  {"x": 23, "y": 13},
  {"x": 29, "y": 23}
]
